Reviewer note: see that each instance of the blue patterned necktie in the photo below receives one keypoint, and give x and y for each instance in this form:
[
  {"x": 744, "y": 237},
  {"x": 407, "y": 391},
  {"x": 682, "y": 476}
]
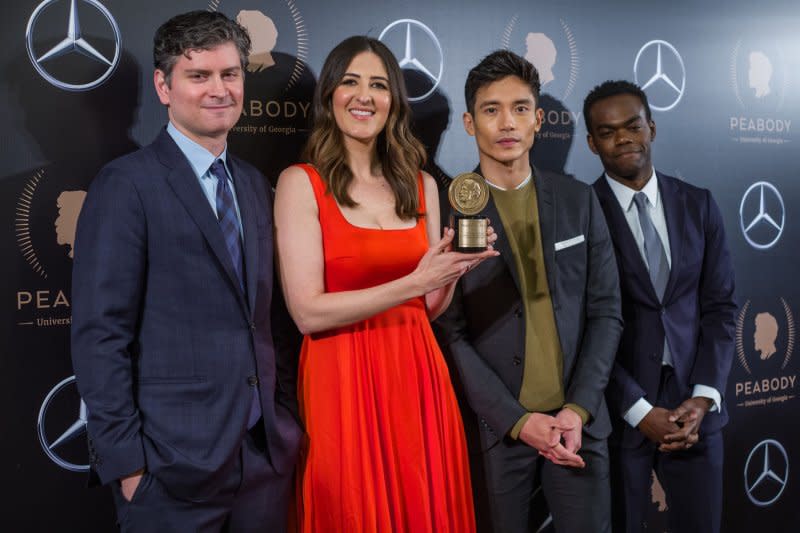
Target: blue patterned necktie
[
  {"x": 657, "y": 262},
  {"x": 228, "y": 221}
]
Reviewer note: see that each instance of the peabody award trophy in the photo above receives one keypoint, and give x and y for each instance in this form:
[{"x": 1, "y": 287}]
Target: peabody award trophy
[{"x": 468, "y": 194}]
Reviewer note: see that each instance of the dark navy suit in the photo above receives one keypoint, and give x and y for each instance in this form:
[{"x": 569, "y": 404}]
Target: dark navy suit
[
  {"x": 166, "y": 346},
  {"x": 696, "y": 316}
]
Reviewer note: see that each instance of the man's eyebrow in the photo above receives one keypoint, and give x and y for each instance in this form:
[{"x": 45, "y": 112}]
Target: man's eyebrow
[{"x": 611, "y": 125}]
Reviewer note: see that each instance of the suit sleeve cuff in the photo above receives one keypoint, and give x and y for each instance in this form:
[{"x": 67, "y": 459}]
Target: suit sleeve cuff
[
  {"x": 514, "y": 433},
  {"x": 127, "y": 457},
  {"x": 711, "y": 393},
  {"x": 637, "y": 412},
  {"x": 583, "y": 413}
]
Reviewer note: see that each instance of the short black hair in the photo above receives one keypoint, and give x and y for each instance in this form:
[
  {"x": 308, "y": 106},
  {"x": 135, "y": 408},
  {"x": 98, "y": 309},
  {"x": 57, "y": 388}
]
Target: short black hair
[
  {"x": 496, "y": 66},
  {"x": 196, "y": 30},
  {"x": 613, "y": 88}
]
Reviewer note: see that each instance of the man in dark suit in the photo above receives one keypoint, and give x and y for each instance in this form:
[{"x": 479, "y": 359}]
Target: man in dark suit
[
  {"x": 176, "y": 322},
  {"x": 676, "y": 350},
  {"x": 533, "y": 334}
]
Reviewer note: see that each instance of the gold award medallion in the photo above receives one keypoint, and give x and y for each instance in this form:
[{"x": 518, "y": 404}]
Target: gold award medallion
[{"x": 468, "y": 193}]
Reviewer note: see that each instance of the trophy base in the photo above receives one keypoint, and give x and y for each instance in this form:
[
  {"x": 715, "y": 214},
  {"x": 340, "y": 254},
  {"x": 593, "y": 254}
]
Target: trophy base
[{"x": 470, "y": 233}]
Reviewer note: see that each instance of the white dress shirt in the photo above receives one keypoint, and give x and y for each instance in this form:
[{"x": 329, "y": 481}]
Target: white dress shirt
[{"x": 655, "y": 208}]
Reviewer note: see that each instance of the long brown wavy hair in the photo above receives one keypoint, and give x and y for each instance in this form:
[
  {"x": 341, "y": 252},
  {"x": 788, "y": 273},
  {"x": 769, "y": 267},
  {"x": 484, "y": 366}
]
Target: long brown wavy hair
[{"x": 400, "y": 154}]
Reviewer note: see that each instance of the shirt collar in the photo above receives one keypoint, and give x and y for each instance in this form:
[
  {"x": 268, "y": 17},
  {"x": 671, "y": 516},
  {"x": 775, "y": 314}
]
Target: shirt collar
[
  {"x": 518, "y": 187},
  {"x": 625, "y": 194},
  {"x": 199, "y": 158}
]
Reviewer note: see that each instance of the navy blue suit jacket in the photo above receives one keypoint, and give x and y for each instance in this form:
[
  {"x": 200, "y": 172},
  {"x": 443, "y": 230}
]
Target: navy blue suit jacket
[
  {"x": 697, "y": 312},
  {"x": 166, "y": 347}
]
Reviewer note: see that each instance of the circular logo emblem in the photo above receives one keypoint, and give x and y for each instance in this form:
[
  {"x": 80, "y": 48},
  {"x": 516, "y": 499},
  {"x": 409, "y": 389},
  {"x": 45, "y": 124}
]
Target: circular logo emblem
[
  {"x": 59, "y": 399},
  {"x": 759, "y": 333},
  {"x": 766, "y": 472},
  {"x": 74, "y": 42},
  {"x": 762, "y": 215},
  {"x": 418, "y": 49},
  {"x": 659, "y": 70},
  {"x": 45, "y": 222}
]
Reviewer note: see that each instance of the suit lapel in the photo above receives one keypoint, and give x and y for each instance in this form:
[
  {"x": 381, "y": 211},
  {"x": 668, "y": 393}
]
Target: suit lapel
[
  {"x": 182, "y": 180},
  {"x": 546, "y": 203},
  {"x": 673, "y": 202},
  {"x": 501, "y": 244},
  {"x": 621, "y": 234},
  {"x": 245, "y": 196}
]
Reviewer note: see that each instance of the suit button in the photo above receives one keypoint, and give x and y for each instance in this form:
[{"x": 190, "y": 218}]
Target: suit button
[
  {"x": 517, "y": 312},
  {"x": 516, "y": 361},
  {"x": 663, "y": 311},
  {"x": 252, "y": 381},
  {"x": 655, "y": 356},
  {"x": 252, "y": 326}
]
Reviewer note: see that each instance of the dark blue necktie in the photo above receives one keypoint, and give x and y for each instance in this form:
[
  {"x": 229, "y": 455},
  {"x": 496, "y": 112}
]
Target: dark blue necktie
[
  {"x": 229, "y": 223},
  {"x": 657, "y": 262}
]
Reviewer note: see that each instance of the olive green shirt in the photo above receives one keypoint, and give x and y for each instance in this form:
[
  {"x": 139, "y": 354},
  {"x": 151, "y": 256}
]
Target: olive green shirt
[{"x": 542, "y": 387}]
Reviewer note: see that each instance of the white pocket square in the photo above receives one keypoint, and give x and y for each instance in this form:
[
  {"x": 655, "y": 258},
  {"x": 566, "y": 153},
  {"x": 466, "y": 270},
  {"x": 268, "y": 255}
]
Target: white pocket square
[{"x": 560, "y": 245}]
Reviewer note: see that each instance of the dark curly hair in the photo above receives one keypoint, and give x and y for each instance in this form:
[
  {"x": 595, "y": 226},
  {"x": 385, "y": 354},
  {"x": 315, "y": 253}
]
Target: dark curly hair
[{"x": 613, "y": 88}]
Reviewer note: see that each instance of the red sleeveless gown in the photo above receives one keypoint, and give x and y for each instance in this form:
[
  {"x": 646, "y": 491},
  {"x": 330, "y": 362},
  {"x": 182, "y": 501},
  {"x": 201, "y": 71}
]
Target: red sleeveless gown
[{"x": 385, "y": 448}]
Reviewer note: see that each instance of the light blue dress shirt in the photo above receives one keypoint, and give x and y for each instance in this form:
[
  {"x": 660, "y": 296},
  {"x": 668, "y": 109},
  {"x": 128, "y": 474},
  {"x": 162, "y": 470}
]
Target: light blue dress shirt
[
  {"x": 655, "y": 208},
  {"x": 201, "y": 160}
]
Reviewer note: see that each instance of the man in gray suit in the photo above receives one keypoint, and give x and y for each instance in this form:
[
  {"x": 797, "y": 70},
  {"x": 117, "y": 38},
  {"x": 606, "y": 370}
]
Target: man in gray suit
[{"x": 533, "y": 335}]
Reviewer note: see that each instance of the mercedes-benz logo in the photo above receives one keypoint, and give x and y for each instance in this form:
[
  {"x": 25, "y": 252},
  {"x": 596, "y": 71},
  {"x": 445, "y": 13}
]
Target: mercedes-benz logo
[
  {"x": 769, "y": 475},
  {"x": 409, "y": 59},
  {"x": 762, "y": 215},
  {"x": 74, "y": 42},
  {"x": 75, "y": 430},
  {"x": 661, "y": 76}
]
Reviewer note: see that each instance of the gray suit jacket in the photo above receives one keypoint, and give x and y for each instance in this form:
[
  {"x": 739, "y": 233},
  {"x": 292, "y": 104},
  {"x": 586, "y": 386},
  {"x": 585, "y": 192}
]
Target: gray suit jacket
[{"x": 483, "y": 330}]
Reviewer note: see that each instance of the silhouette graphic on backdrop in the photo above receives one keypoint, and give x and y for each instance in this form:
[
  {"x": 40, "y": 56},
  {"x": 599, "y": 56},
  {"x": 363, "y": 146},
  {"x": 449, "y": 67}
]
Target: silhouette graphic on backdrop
[
  {"x": 542, "y": 53},
  {"x": 69, "y": 207},
  {"x": 264, "y": 36},
  {"x": 765, "y": 334},
  {"x": 759, "y": 74}
]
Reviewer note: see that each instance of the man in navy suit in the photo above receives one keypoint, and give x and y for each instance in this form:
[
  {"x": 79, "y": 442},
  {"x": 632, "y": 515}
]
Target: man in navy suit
[
  {"x": 676, "y": 277},
  {"x": 176, "y": 326}
]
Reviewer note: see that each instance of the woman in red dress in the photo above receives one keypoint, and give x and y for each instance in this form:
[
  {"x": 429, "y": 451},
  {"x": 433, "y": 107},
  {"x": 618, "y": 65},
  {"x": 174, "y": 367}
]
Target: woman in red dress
[{"x": 364, "y": 271}]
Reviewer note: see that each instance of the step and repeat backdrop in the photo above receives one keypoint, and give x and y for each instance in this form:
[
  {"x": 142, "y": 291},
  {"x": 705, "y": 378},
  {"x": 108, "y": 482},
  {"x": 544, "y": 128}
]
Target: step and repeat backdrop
[{"x": 722, "y": 78}]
